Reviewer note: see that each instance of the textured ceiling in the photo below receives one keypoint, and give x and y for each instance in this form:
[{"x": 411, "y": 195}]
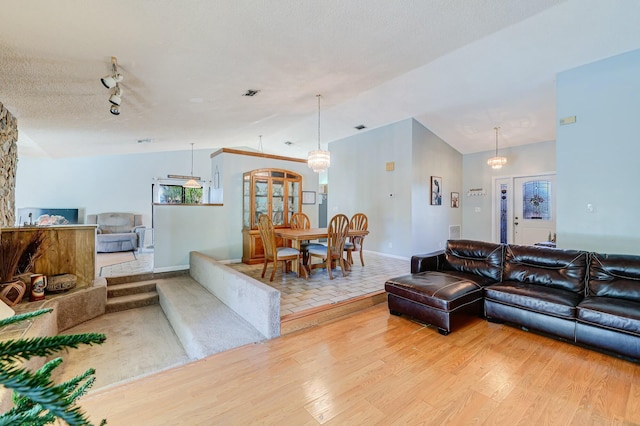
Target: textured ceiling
[{"x": 460, "y": 67}]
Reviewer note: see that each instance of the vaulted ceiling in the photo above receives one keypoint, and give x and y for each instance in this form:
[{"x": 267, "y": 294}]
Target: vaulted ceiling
[{"x": 460, "y": 67}]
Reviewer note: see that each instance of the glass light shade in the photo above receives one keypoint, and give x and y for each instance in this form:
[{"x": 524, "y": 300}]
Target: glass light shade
[
  {"x": 191, "y": 183},
  {"x": 497, "y": 162},
  {"x": 319, "y": 160}
]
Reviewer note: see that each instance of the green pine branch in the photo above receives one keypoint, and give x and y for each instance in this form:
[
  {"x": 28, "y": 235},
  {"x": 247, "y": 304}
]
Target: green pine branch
[
  {"x": 37, "y": 400},
  {"x": 14, "y": 350},
  {"x": 22, "y": 317},
  {"x": 41, "y": 391}
]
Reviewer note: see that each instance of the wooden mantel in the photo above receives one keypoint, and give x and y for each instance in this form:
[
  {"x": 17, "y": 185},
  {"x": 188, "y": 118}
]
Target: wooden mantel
[{"x": 71, "y": 250}]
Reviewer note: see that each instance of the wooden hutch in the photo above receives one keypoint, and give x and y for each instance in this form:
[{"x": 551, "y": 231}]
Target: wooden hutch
[{"x": 274, "y": 192}]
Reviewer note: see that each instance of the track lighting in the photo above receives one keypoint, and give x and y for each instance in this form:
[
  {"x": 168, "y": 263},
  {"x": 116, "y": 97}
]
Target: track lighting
[
  {"x": 116, "y": 98},
  {"x": 111, "y": 81}
]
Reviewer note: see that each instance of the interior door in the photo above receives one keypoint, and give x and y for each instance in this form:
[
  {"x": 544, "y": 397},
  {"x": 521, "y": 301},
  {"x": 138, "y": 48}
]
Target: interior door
[{"x": 534, "y": 209}]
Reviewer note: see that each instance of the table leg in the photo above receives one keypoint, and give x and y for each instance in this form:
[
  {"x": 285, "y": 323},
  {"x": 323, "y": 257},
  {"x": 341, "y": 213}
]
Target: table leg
[{"x": 299, "y": 267}]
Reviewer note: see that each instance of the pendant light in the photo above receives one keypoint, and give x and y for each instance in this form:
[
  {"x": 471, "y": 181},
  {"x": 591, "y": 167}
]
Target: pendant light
[
  {"x": 191, "y": 183},
  {"x": 497, "y": 162},
  {"x": 319, "y": 160}
]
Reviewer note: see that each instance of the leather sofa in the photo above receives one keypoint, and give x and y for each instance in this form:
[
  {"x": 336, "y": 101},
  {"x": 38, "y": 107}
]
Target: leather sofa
[
  {"x": 587, "y": 298},
  {"x": 117, "y": 231}
]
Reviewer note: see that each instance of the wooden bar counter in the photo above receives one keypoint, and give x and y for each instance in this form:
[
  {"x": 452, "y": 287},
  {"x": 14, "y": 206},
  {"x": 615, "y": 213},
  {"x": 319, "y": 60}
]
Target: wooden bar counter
[{"x": 71, "y": 250}]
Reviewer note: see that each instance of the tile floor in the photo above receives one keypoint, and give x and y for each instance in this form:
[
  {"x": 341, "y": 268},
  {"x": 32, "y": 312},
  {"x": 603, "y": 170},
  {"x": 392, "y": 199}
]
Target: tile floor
[
  {"x": 299, "y": 294},
  {"x": 134, "y": 263}
]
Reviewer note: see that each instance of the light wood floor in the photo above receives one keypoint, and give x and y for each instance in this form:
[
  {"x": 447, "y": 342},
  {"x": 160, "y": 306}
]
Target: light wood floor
[{"x": 373, "y": 368}]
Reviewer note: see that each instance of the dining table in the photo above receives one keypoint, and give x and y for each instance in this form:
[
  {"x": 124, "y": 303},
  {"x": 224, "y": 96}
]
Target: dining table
[{"x": 297, "y": 236}]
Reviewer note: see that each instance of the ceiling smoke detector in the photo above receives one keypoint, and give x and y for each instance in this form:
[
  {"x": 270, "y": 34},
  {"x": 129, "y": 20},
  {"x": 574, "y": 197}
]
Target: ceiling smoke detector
[
  {"x": 288, "y": 143},
  {"x": 251, "y": 92}
]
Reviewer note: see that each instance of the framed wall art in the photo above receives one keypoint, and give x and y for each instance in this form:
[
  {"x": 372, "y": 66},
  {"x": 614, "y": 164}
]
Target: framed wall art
[
  {"x": 308, "y": 197},
  {"x": 455, "y": 200},
  {"x": 436, "y": 191}
]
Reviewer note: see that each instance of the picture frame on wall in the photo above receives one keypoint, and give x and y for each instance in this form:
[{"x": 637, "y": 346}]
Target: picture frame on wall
[
  {"x": 308, "y": 197},
  {"x": 436, "y": 191},
  {"x": 455, "y": 200}
]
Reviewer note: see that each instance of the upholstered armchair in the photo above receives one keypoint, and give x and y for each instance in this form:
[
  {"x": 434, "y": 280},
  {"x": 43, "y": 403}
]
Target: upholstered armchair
[{"x": 117, "y": 231}]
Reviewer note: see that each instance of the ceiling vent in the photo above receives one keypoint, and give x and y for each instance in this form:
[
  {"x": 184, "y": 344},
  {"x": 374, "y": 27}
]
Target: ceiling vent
[
  {"x": 360, "y": 127},
  {"x": 288, "y": 143},
  {"x": 145, "y": 140},
  {"x": 250, "y": 92}
]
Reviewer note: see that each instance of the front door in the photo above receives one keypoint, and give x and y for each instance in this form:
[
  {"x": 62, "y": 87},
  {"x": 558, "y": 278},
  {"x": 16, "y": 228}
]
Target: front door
[{"x": 534, "y": 209}]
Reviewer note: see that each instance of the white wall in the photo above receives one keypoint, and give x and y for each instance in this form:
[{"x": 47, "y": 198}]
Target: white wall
[
  {"x": 598, "y": 155},
  {"x": 433, "y": 157},
  {"x": 524, "y": 160},
  {"x": 358, "y": 182},
  {"x": 403, "y": 224},
  {"x": 217, "y": 230},
  {"x": 119, "y": 183}
]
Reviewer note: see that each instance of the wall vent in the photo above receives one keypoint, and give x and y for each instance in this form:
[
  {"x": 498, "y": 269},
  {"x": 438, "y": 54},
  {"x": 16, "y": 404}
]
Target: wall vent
[{"x": 454, "y": 232}]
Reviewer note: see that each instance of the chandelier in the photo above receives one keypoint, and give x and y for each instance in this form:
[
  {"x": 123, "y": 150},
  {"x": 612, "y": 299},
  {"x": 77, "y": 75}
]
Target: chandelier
[
  {"x": 497, "y": 162},
  {"x": 319, "y": 160}
]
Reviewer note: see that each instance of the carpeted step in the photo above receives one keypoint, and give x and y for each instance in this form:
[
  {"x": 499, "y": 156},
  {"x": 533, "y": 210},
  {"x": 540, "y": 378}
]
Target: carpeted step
[
  {"x": 132, "y": 301},
  {"x": 118, "y": 290},
  {"x": 203, "y": 323},
  {"x": 146, "y": 277}
]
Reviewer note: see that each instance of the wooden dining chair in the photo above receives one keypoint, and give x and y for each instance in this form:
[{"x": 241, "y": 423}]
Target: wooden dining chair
[
  {"x": 336, "y": 237},
  {"x": 300, "y": 220},
  {"x": 272, "y": 253},
  {"x": 360, "y": 222}
]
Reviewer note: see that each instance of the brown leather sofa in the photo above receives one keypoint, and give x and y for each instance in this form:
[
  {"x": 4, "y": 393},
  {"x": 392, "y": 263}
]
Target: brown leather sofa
[{"x": 588, "y": 298}]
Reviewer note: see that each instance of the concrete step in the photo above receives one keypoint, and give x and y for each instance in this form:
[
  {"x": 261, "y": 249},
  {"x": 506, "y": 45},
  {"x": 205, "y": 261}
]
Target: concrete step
[
  {"x": 131, "y": 301},
  {"x": 118, "y": 290}
]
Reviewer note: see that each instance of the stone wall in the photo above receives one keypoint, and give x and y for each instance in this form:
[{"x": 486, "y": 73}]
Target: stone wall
[{"x": 8, "y": 164}]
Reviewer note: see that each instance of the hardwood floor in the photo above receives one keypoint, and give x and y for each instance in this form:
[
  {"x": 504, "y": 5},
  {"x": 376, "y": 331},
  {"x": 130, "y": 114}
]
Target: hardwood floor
[{"x": 373, "y": 368}]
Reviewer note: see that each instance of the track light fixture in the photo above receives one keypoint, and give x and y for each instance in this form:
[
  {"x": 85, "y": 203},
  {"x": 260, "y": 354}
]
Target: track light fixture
[
  {"x": 116, "y": 98},
  {"x": 111, "y": 81}
]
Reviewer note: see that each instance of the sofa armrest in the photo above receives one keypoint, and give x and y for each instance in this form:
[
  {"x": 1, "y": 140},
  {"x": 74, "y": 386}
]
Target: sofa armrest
[
  {"x": 139, "y": 230},
  {"x": 427, "y": 262}
]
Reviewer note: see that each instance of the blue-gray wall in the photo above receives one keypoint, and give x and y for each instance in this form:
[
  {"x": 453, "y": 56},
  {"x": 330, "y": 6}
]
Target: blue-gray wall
[
  {"x": 598, "y": 155},
  {"x": 401, "y": 220}
]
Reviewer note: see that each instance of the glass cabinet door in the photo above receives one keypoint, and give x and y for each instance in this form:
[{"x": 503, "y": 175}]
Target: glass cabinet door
[
  {"x": 261, "y": 190},
  {"x": 246, "y": 202},
  {"x": 293, "y": 198},
  {"x": 277, "y": 202}
]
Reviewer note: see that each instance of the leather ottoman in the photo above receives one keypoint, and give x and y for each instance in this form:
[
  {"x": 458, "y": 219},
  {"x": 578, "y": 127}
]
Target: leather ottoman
[{"x": 441, "y": 299}]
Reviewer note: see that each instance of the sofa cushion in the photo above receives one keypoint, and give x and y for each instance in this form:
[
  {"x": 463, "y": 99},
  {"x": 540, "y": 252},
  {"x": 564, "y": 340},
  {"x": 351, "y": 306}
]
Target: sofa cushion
[
  {"x": 114, "y": 223},
  {"x": 475, "y": 257},
  {"x": 614, "y": 275},
  {"x": 555, "y": 268},
  {"x": 549, "y": 300},
  {"x": 611, "y": 313},
  {"x": 436, "y": 289}
]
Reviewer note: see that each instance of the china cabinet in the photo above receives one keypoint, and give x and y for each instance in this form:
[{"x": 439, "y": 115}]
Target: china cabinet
[{"x": 274, "y": 192}]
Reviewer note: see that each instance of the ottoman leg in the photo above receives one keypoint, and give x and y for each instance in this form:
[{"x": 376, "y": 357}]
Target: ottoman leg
[
  {"x": 396, "y": 313},
  {"x": 443, "y": 331}
]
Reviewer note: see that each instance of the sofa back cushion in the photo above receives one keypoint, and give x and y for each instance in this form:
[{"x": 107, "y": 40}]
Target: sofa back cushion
[
  {"x": 614, "y": 275},
  {"x": 115, "y": 223},
  {"x": 475, "y": 257},
  {"x": 557, "y": 268}
]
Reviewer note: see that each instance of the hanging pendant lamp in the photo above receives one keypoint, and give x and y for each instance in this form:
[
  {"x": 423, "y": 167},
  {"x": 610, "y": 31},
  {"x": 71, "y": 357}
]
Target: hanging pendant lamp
[
  {"x": 497, "y": 162},
  {"x": 191, "y": 183},
  {"x": 319, "y": 160}
]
